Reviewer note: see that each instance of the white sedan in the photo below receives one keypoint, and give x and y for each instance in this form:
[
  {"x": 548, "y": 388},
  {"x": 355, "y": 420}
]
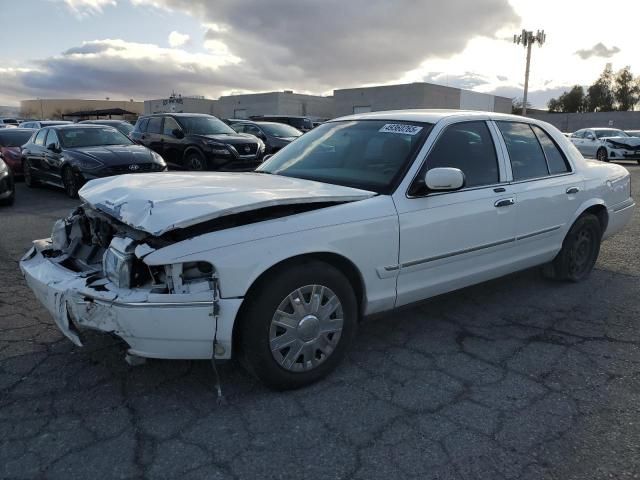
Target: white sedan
[
  {"x": 607, "y": 144},
  {"x": 361, "y": 215}
]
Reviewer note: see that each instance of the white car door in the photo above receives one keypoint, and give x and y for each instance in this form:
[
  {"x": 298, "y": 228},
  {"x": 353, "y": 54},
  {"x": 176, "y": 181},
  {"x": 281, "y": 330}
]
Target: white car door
[
  {"x": 449, "y": 240},
  {"x": 548, "y": 191}
]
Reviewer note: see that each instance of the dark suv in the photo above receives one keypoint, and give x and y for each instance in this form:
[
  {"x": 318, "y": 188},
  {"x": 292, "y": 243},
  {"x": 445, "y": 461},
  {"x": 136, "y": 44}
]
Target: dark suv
[
  {"x": 198, "y": 142},
  {"x": 304, "y": 124}
]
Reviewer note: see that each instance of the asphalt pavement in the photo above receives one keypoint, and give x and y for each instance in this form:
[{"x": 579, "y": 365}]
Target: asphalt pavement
[{"x": 518, "y": 378}]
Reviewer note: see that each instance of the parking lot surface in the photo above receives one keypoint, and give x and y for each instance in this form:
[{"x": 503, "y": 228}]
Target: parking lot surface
[{"x": 515, "y": 378}]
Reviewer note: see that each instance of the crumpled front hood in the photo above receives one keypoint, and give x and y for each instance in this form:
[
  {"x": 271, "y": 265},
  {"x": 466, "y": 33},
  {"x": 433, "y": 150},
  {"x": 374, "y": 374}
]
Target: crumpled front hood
[
  {"x": 158, "y": 203},
  {"x": 625, "y": 142}
]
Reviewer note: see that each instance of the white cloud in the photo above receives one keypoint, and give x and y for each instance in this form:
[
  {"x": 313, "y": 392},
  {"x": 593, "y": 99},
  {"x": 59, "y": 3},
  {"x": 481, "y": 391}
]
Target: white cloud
[
  {"x": 177, "y": 39},
  {"x": 85, "y": 7}
]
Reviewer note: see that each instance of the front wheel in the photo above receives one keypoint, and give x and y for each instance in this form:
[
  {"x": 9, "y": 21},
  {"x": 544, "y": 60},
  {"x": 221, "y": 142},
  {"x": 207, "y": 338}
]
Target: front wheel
[
  {"x": 579, "y": 252},
  {"x": 70, "y": 182},
  {"x": 297, "y": 325},
  {"x": 195, "y": 162},
  {"x": 602, "y": 155},
  {"x": 27, "y": 172}
]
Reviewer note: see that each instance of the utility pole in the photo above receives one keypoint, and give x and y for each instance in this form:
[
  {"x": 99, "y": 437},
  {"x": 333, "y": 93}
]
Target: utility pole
[{"x": 527, "y": 39}]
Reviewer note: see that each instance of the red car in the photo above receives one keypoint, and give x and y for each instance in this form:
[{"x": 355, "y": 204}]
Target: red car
[{"x": 11, "y": 139}]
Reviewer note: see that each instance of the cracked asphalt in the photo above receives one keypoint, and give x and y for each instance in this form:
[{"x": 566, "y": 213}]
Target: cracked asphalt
[{"x": 518, "y": 378}]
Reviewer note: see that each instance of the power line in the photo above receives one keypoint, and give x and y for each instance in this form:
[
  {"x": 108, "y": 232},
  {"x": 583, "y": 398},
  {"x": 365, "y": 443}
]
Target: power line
[{"x": 527, "y": 38}]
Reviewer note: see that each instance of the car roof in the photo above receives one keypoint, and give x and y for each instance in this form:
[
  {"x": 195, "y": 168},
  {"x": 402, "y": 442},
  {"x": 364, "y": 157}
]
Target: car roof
[
  {"x": 103, "y": 121},
  {"x": 177, "y": 115},
  {"x": 275, "y": 115},
  {"x": 19, "y": 129},
  {"x": 433, "y": 115},
  {"x": 67, "y": 126},
  {"x": 256, "y": 122}
]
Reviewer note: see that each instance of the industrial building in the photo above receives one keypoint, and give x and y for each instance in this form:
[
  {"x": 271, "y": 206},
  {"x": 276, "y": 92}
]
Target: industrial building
[
  {"x": 275, "y": 103},
  {"x": 180, "y": 104},
  {"x": 414, "y": 95},
  {"x": 54, "y": 109}
]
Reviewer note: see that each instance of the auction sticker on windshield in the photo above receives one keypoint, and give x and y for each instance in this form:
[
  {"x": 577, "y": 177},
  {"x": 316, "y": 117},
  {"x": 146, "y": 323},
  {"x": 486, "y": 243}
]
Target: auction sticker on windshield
[{"x": 400, "y": 128}]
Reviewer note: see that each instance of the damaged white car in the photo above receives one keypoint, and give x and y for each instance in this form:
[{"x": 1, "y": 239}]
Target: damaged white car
[{"x": 361, "y": 215}]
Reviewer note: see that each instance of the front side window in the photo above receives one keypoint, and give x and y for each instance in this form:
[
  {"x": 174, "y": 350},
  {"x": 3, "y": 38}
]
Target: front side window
[
  {"x": 525, "y": 152},
  {"x": 469, "y": 147},
  {"x": 170, "y": 125},
  {"x": 368, "y": 154},
  {"x": 52, "y": 137},
  {"x": 556, "y": 161},
  {"x": 39, "y": 140},
  {"x": 91, "y": 137}
]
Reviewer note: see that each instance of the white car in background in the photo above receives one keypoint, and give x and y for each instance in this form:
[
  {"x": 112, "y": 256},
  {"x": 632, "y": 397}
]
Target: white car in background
[
  {"x": 633, "y": 133},
  {"x": 360, "y": 215},
  {"x": 606, "y": 144}
]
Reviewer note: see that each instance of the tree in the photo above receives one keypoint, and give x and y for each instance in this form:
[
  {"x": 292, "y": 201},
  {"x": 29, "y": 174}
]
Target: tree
[
  {"x": 571, "y": 101},
  {"x": 516, "y": 106},
  {"x": 600, "y": 96},
  {"x": 626, "y": 89}
]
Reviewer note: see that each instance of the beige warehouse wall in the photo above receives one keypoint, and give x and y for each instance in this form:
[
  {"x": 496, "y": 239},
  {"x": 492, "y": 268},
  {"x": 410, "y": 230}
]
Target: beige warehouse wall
[{"x": 54, "y": 108}]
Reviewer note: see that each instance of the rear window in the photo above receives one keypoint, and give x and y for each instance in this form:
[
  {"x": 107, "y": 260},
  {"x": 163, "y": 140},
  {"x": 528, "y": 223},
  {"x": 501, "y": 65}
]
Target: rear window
[
  {"x": 525, "y": 152},
  {"x": 10, "y": 138},
  {"x": 555, "y": 158}
]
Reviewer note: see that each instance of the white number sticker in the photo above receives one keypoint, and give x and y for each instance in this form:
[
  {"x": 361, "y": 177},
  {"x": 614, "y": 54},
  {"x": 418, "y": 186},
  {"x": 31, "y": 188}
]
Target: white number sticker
[{"x": 400, "y": 128}]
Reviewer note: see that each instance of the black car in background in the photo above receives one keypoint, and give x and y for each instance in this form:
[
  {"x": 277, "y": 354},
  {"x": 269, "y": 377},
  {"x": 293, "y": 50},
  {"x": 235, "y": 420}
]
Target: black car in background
[
  {"x": 7, "y": 187},
  {"x": 122, "y": 126},
  {"x": 70, "y": 155},
  {"x": 274, "y": 135},
  {"x": 198, "y": 142},
  {"x": 304, "y": 124}
]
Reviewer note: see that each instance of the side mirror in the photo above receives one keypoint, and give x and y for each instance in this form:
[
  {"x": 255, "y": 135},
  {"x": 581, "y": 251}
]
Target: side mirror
[
  {"x": 176, "y": 132},
  {"x": 53, "y": 147},
  {"x": 444, "y": 179}
]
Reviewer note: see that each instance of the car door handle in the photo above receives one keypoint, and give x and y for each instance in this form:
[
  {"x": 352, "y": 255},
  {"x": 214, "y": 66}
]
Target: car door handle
[
  {"x": 572, "y": 190},
  {"x": 505, "y": 202}
]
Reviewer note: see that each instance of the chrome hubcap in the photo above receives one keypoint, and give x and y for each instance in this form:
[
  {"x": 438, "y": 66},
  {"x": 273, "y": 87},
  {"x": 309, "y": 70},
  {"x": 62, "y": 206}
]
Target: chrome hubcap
[{"x": 306, "y": 328}]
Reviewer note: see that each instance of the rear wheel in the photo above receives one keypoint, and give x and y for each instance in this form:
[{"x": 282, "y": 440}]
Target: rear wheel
[
  {"x": 298, "y": 325},
  {"x": 579, "y": 252},
  {"x": 602, "y": 155},
  {"x": 196, "y": 162},
  {"x": 27, "y": 172},
  {"x": 70, "y": 182},
  {"x": 5, "y": 202}
]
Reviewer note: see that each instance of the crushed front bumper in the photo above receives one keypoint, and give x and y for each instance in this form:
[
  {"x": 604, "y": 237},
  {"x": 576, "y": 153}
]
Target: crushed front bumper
[{"x": 171, "y": 326}]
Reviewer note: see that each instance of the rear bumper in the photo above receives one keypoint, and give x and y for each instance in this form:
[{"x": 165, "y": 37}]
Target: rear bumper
[
  {"x": 619, "y": 216},
  {"x": 153, "y": 325}
]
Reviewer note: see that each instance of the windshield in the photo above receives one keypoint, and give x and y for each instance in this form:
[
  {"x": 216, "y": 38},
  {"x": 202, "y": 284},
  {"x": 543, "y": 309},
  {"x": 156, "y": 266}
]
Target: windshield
[
  {"x": 610, "y": 132},
  {"x": 91, "y": 137},
  {"x": 367, "y": 154},
  {"x": 125, "y": 128},
  {"x": 11, "y": 138},
  {"x": 204, "y": 126},
  {"x": 280, "y": 130}
]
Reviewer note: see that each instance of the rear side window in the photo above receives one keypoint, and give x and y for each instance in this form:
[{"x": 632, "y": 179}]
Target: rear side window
[
  {"x": 39, "y": 140},
  {"x": 469, "y": 147},
  {"x": 525, "y": 152},
  {"x": 556, "y": 161},
  {"x": 155, "y": 125}
]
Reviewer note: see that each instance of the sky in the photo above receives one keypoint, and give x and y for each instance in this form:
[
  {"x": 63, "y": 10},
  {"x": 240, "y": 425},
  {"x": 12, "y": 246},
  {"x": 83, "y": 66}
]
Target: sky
[{"x": 143, "y": 49}]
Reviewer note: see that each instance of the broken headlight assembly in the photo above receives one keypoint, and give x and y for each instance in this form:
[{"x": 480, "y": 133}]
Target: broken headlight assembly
[{"x": 117, "y": 262}]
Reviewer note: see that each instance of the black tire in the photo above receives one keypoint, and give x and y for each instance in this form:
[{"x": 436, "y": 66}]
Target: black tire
[
  {"x": 70, "y": 182},
  {"x": 601, "y": 155},
  {"x": 7, "y": 202},
  {"x": 258, "y": 333},
  {"x": 195, "y": 161},
  {"x": 579, "y": 253},
  {"x": 27, "y": 173}
]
